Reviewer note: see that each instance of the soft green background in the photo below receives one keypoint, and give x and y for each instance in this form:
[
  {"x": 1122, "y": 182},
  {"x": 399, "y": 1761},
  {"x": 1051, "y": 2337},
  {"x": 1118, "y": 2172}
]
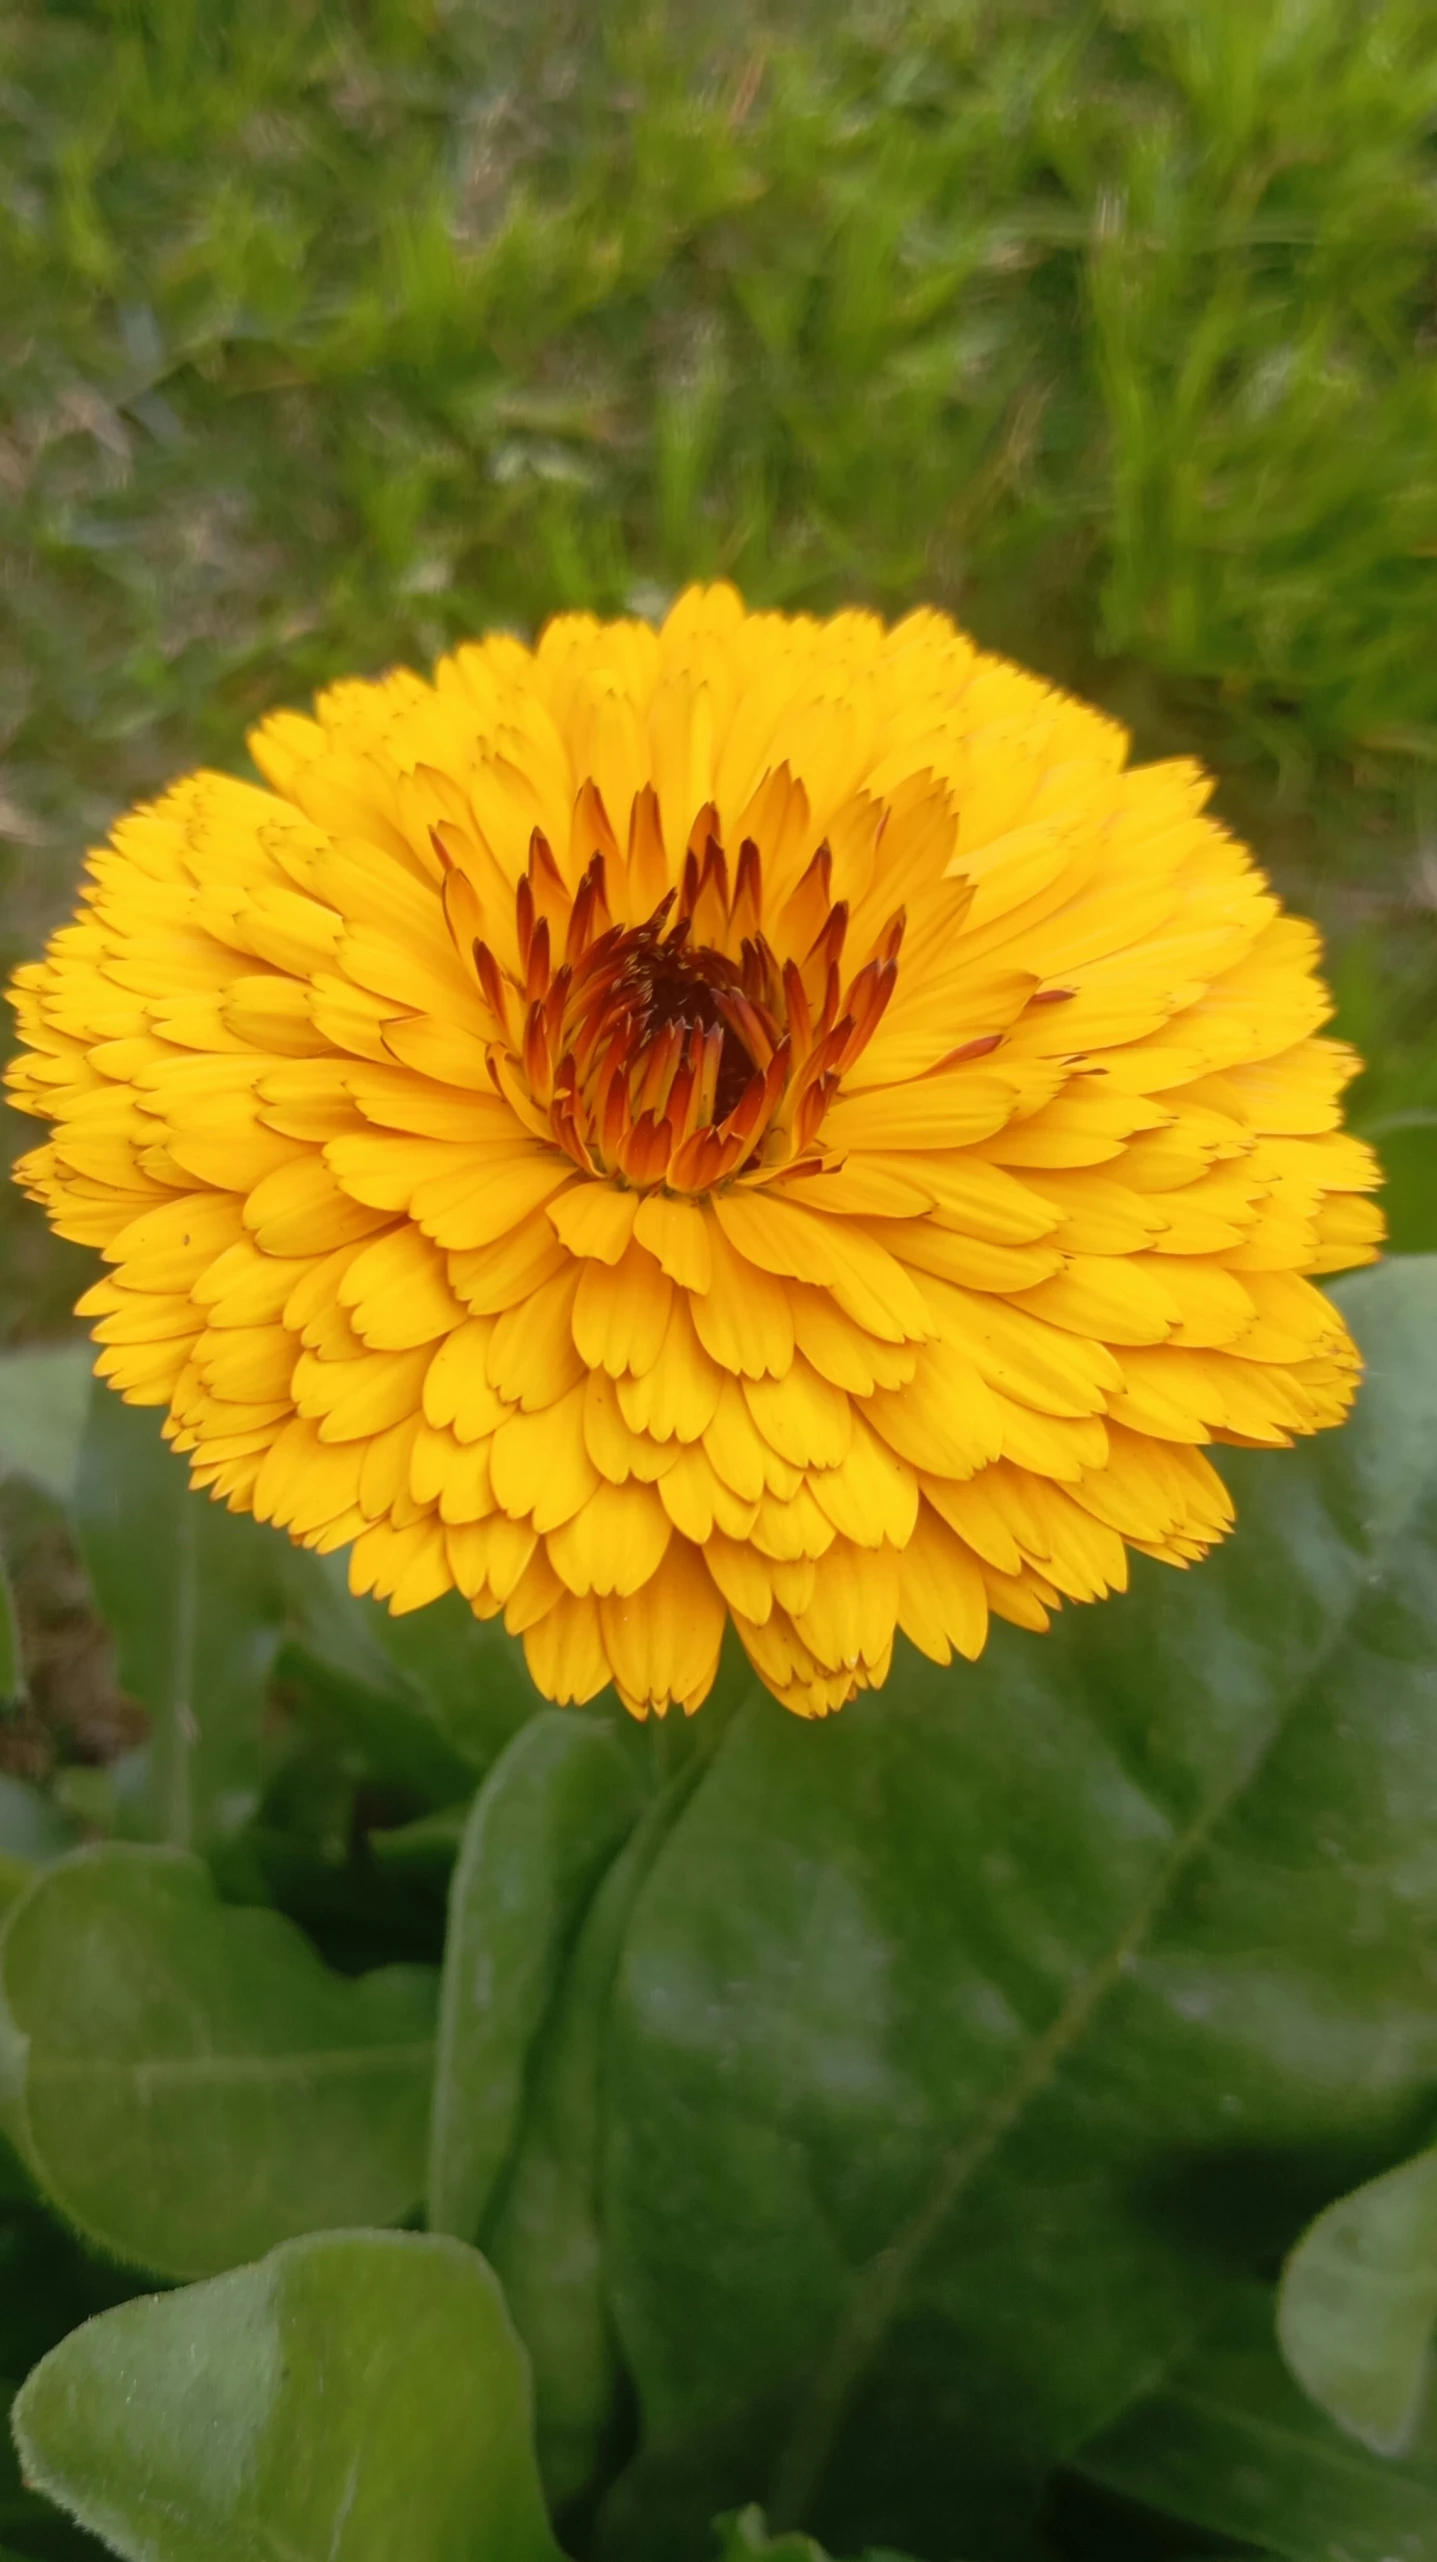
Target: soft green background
[{"x": 328, "y": 333}]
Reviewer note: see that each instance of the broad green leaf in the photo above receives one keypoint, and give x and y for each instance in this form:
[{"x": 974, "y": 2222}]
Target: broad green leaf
[
  {"x": 962, "y": 2043},
  {"x": 44, "y": 1394},
  {"x": 187, "y": 2082},
  {"x": 357, "y": 2397},
  {"x": 1357, "y": 2304},
  {"x": 545, "y": 1825},
  {"x": 1228, "y": 2444},
  {"x": 545, "y": 2233},
  {"x": 198, "y": 1599}
]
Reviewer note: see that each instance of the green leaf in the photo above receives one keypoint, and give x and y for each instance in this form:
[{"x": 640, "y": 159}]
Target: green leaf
[
  {"x": 544, "y": 1827},
  {"x": 187, "y": 2082},
  {"x": 963, "y": 2044},
  {"x": 1227, "y": 2443},
  {"x": 357, "y": 2397},
  {"x": 44, "y": 1394},
  {"x": 198, "y": 1599},
  {"x": 1357, "y": 2303},
  {"x": 545, "y": 2234}
]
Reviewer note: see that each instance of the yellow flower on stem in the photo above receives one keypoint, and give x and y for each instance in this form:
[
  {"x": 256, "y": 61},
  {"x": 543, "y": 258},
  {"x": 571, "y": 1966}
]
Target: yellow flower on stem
[{"x": 764, "y": 1118}]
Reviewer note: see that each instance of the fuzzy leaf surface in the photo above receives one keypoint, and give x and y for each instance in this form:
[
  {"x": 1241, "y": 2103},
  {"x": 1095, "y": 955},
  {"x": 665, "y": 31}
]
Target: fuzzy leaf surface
[
  {"x": 354, "y": 2397},
  {"x": 188, "y": 2083}
]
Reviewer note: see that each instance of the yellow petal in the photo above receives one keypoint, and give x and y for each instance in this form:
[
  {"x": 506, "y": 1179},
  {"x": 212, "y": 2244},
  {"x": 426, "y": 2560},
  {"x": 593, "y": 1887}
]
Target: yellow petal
[
  {"x": 532, "y": 1360},
  {"x": 871, "y": 1495},
  {"x": 452, "y": 1474},
  {"x": 793, "y": 1526},
  {"x": 697, "y": 1500},
  {"x": 494, "y": 1277},
  {"x": 407, "y": 1568},
  {"x": 613, "y": 1542},
  {"x": 743, "y": 1320},
  {"x": 487, "y": 1560},
  {"x": 565, "y": 1652},
  {"x": 398, "y": 1292},
  {"x": 942, "y": 1604},
  {"x": 946, "y": 1422},
  {"x": 301, "y": 1209},
  {"x": 621, "y": 1312},
  {"x": 169, "y": 1246},
  {"x": 738, "y": 1450},
  {"x": 947, "y": 1111},
  {"x": 384, "y": 1476},
  {"x": 678, "y": 1396},
  {"x": 663, "y": 1645},
  {"x": 853, "y": 1607},
  {"x": 841, "y": 1351},
  {"x": 248, "y": 1364},
  {"x": 244, "y": 1286},
  {"x": 457, "y": 1387},
  {"x": 1041, "y": 1365},
  {"x": 677, "y": 1234},
  {"x": 539, "y": 1467},
  {"x": 743, "y": 1576},
  {"x": 351, "y": 1400},
  {"x": 594, "y": 1219},
  {"x": 617, "y": 1451},
  {"x": 801, "y": 1416}
]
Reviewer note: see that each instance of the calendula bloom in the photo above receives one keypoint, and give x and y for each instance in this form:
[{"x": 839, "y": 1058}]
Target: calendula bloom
[{"x": 762, "y": 1118}]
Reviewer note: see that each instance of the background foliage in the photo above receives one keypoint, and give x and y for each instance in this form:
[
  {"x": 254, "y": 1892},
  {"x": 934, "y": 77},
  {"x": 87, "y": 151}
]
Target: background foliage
[{"x": 999, "y": 2125}]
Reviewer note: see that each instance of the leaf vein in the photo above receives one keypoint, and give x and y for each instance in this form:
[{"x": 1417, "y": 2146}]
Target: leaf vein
[{"x": 880, "y": 2286}]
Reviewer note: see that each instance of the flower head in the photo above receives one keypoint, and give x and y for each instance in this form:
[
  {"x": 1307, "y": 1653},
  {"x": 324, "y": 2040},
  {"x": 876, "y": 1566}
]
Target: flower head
[{"x": 762, "y": 1118}]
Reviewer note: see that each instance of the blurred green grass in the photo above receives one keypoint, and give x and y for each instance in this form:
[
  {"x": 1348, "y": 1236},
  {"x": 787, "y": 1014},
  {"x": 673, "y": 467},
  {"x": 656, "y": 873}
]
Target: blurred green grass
[{"x": 331, "y": 332}]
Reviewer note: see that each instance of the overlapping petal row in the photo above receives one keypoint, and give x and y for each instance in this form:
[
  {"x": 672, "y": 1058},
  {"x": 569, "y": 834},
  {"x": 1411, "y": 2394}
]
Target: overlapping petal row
[{"x": 761, "y": 1118}]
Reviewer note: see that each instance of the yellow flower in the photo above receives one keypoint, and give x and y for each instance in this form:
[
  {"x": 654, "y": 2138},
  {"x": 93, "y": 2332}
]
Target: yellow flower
[{"x": 764, "y": 1117}]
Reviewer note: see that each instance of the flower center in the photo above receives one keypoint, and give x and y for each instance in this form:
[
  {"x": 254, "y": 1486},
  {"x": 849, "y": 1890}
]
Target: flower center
[
  {"x": 670, "y": 990},
  {"x": 681, "y": 1051}
]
